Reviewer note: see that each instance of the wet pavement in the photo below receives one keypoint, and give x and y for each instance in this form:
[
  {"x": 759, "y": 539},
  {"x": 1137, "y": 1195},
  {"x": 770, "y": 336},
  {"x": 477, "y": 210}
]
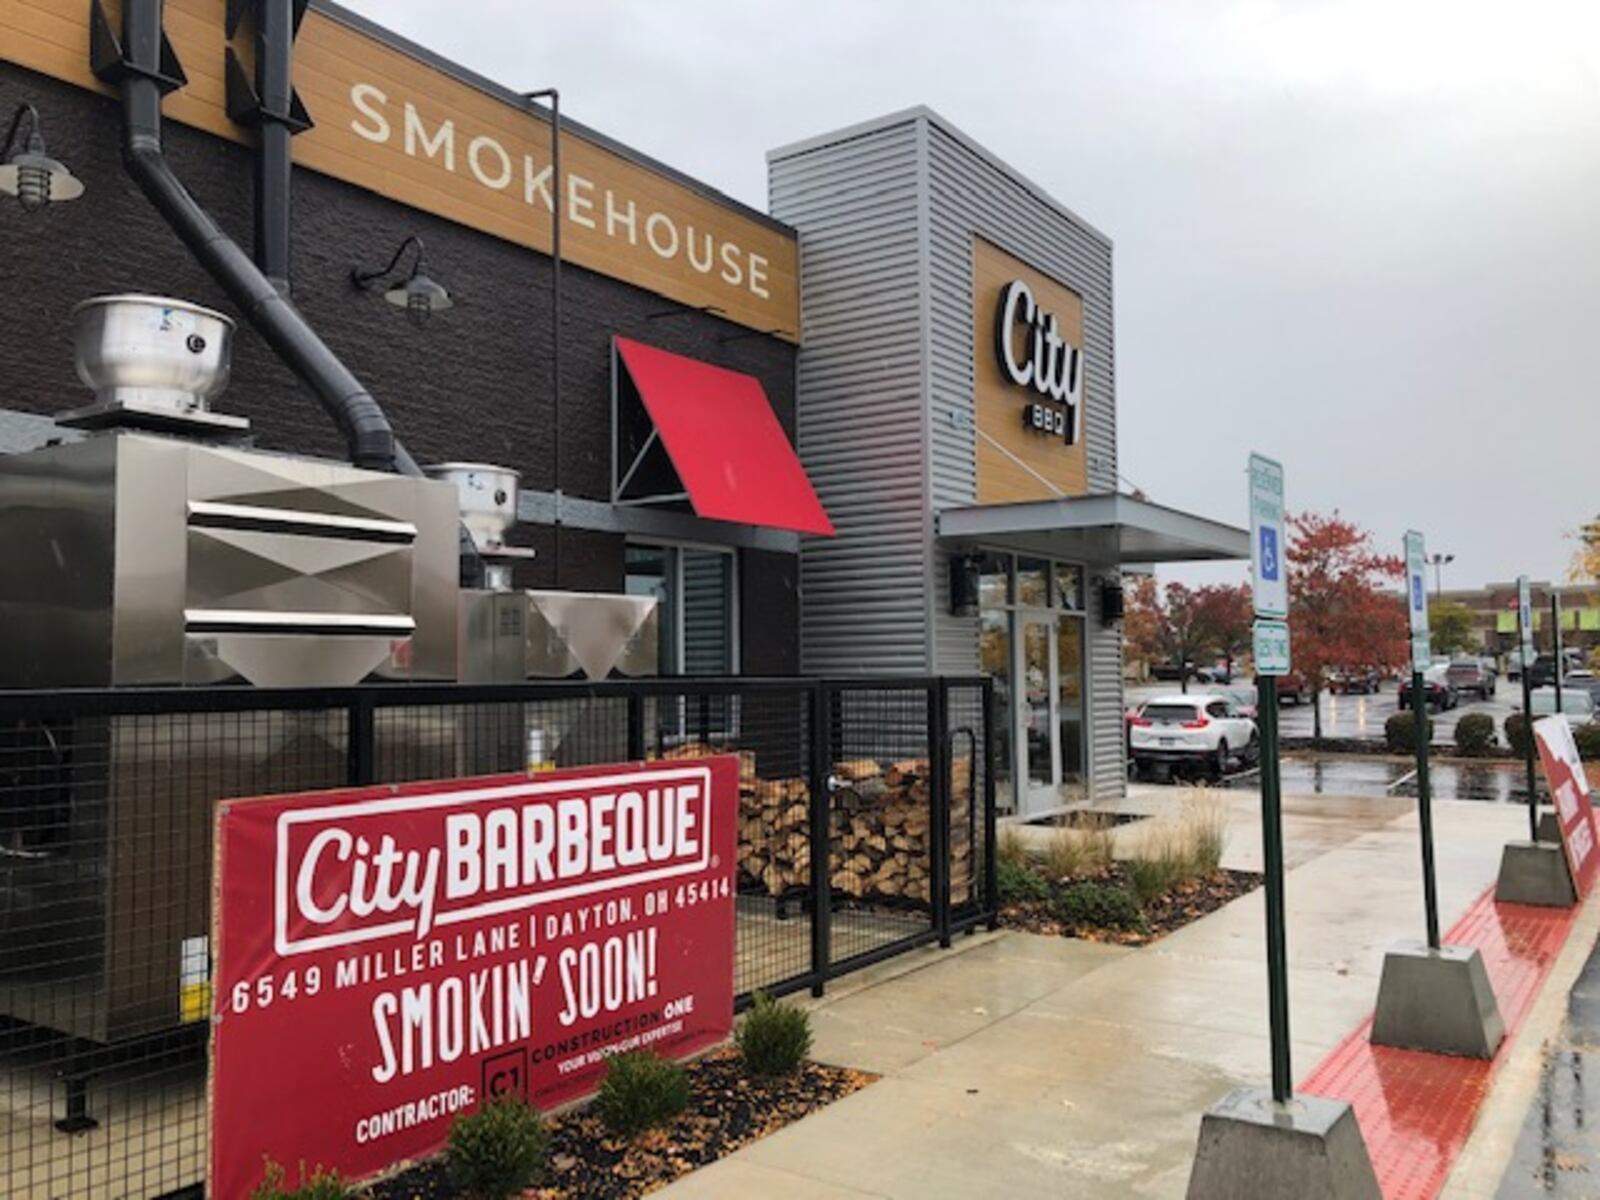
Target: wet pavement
[
  {"x": 1363, "y": 716},
  {"x": 1501, "y": 781},
  {"x": 1558, "y": 1151}
]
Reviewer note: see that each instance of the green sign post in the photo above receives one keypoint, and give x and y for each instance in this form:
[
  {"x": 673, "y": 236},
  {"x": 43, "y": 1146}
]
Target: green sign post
[
  {"x": 1269, "y": 578},
  {"x": 1254, "y": 1142},
  {"x": 1432, "y": 997},
  {"x": 1525, "y": 652},
  {"x": 1421, "y": 654}
]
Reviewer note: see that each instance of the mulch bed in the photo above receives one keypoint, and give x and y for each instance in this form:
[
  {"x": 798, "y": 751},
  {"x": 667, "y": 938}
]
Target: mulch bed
[
  {"x": 1185, "y": 903},
  {"x": 727, "y": 1109}
]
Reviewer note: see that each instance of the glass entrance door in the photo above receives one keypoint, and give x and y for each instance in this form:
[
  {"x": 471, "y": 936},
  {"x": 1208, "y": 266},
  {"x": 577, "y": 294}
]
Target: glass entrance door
[
  {"x": 1037, "y": 712},
  {"x": 1031, "y": 640}
]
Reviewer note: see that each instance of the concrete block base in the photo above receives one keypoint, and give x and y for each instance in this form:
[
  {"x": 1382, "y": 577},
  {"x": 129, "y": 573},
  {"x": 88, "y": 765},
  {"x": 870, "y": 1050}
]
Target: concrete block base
[
  {"x": 1310, "y": 1147},
  {"x": 1535, "y": 873},
  {"x": 1439, "y": 1001},
  {"x": 1549, "y": 827}
]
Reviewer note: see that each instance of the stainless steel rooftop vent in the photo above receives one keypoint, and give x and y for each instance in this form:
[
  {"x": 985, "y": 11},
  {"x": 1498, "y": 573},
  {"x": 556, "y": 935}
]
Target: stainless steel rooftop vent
[
  {"x": 154, "y": 363},
  {"x": 486, "y": 496}
]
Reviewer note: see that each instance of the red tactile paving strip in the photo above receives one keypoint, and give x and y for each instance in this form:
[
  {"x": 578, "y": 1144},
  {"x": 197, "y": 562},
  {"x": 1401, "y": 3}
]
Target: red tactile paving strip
[{"x": 1416, "y": 1109}]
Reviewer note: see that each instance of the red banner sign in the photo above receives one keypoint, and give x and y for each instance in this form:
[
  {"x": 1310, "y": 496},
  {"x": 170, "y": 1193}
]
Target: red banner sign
[
  {"x": 1563, "y": 771},
  {"x": 387, "y": 958}
]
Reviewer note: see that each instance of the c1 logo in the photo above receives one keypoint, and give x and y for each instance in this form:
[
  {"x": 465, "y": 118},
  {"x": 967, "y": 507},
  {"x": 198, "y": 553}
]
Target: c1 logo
[{"x": 506, "y": 1075}]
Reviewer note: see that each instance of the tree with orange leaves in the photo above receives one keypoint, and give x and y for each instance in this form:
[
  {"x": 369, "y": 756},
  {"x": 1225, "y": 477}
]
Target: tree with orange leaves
[{"x": 1343, "y": 611}]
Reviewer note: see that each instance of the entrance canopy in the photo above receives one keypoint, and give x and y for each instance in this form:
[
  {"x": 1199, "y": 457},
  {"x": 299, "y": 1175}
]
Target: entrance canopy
[
  {"x": 1109, "y": 528},
  {"x": 725, "y": 452}
]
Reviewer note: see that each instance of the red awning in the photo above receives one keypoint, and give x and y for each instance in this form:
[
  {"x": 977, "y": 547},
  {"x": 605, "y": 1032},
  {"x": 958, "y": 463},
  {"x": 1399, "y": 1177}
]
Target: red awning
[{"x": 728, "y": 448}]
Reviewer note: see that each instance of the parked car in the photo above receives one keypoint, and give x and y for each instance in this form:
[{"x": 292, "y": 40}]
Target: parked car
[
  {"x": 1216, "y": 673},
  {"x": 1472, "y": 675},
  {"x": 1583, "y": 681},
  {"x": 1202, "y": 729},
  {"x": 1543, "y": 671},
  {"x": 1168, "y": 672},
  {"x": 1246, "y": 697},
  {"x": 1577, "y": 706},
  {"x": 1354, "y": 681},
  {"x": 1293, "y": 689},
  {"x": 1437, "y": 690}
]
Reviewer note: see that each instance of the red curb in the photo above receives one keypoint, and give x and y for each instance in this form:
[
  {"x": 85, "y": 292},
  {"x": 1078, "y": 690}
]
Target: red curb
[{"x": 1417, "y": 1109}]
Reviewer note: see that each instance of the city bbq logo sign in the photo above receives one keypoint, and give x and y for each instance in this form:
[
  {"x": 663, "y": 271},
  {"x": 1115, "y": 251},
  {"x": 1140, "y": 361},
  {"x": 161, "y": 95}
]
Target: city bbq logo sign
[{"x": 389, "y": 958}]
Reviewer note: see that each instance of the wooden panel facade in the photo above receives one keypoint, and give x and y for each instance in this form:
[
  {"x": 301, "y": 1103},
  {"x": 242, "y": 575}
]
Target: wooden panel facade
[
  {"x": 414, "y": 132},
  {"x": 1016, "y": 461}
]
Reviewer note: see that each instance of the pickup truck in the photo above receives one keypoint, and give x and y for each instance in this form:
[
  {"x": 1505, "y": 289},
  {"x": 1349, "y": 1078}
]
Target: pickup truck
[{"x": 1472, "y": 675}]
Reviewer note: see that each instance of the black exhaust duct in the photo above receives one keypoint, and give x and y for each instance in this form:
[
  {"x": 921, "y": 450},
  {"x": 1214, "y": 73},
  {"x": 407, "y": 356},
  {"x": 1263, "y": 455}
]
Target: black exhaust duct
[
  {"x": 271, "y": 107},
  {"x": 144, "y": 67}
]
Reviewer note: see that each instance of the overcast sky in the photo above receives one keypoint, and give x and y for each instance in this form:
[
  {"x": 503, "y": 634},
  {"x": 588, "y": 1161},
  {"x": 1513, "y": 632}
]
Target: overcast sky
[{"x": 1363, "y": 237}]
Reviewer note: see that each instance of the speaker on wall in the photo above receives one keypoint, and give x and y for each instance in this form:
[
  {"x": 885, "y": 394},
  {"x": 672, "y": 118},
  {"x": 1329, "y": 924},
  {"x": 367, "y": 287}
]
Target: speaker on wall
[
  {"x": 964, "y": 585},
  {"x": 1110, "y": 601}
]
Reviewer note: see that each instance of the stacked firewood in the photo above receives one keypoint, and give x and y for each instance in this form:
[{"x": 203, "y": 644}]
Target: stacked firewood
[{"x": 879, "y": 830}]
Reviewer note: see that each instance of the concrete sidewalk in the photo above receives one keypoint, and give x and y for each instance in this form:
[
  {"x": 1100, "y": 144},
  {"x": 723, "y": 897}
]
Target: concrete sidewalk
[{"x": 1019, "y": 1065}]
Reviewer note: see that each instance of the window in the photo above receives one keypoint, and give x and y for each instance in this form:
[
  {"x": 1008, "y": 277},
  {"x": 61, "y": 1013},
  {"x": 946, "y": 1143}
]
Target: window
[
  {"x": 1031, "y": 576},
  {"x": 1069, "y": 587},
  {"x": 696, "y": 594}
]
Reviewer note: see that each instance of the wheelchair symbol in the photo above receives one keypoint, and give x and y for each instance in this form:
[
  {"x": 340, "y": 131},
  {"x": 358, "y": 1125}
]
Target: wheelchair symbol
[{"x": 1269, "y": 553}]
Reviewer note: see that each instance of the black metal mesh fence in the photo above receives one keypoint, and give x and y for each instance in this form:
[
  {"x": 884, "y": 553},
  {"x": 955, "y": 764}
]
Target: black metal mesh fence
[{"x": 865, "y": 823}]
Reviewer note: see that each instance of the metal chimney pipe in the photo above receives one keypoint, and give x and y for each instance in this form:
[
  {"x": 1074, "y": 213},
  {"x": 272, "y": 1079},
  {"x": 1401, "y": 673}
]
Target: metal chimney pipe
[
  {"x": 143, "y": 68},
  {"x": 139, "y": 73}
]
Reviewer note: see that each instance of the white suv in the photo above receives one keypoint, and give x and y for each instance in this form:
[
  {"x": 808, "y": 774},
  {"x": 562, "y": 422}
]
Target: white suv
[{"x": 1194, "y": 728}]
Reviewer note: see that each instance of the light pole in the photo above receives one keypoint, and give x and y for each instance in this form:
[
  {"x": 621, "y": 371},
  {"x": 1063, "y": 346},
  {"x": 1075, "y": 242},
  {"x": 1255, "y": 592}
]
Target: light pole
[
  {"x": 553, "y": 95},
  {"x": 1438, "y": 562}
]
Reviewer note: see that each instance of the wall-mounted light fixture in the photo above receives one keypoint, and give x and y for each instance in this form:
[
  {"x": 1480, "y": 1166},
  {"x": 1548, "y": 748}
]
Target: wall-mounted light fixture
[
  {"x": 419, "y": 295},
  {"x": 27, "y": 172}
]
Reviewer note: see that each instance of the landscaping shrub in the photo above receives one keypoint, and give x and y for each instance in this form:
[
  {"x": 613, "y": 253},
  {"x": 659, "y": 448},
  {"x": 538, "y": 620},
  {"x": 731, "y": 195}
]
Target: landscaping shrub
[
  {"x": 641, "y": 1090},
  {"x": 1066, "y": 854},
  {"x": 319, "y": 1185},
  {"x": 1098, "y": 834},
  {"x": 1020, "y": 885},
  {"x": 1475, "y": 734},
  {"x": 1588, "y": 739},
  {"x": 773, "y": 1038},
  {"x": 1517, "y": 734},
  {"x": 1012, "y": 847},
  {"x": 1205, "y": 833},
  {"x": 1154, "y": 874},
  {"x": 498, "y": 1151},
  {"x": 1400, "y": 732},
  {"x": 1104, "y": 906}
]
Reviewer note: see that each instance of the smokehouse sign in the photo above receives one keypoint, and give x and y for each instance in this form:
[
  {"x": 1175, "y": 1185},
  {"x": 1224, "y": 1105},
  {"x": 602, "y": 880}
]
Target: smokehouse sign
[
  {"x": 404, "y": 953},
  {"x": 425, "y": 134}
]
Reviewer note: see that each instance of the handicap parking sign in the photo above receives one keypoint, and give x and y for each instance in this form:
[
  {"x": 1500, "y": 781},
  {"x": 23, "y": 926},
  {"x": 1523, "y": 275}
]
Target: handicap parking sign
[
  {"x": 1269, "y": 552},
  {"x": 1269, "y": 580}
]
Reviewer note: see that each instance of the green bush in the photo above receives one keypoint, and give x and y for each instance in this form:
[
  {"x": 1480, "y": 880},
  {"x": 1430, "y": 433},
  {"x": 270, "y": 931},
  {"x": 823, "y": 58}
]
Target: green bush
[
  {"x": 1516, "y": 727},
  {"x": 1400, "y": 731},
  {"x": 1475, "y": 734},
  {"x": 498, "y": 1151},
  {"x": 1153, "y": 876},
  {"x": 1588, "y": 739},
  {"x": 641, "y": 1090},
  {"x": 1020, "y": 885},
  {"x": 1103, "y": 906},
  {"x": 773, "y": 1039},
  {"x": 319, "y": 1185}
]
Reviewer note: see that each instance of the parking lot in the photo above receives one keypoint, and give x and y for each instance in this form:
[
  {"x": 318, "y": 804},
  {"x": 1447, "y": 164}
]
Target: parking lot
[{"x": 1362, "y": 716}]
